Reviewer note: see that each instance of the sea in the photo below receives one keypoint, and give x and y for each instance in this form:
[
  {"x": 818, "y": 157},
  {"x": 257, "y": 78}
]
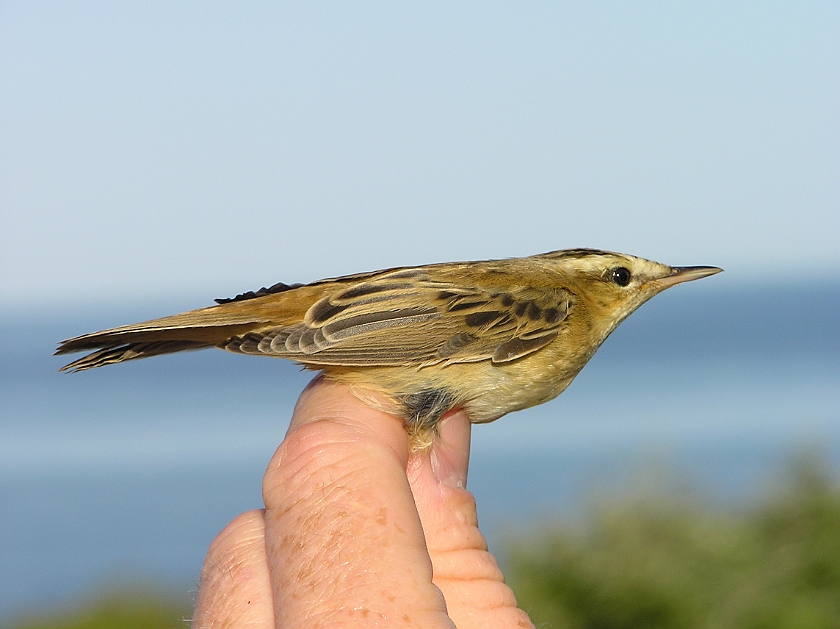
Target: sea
[{"x": 124, "y": 475}]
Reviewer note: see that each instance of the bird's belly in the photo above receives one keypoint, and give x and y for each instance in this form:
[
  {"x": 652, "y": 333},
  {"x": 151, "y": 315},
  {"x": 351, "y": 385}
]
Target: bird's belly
[
  {"x": 484, "y": 389},
  {"x": 513, "y": 392}
]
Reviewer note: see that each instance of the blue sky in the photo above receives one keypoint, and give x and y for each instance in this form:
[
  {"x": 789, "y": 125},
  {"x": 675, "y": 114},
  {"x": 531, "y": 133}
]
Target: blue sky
[{"x": 151, "y": 149}]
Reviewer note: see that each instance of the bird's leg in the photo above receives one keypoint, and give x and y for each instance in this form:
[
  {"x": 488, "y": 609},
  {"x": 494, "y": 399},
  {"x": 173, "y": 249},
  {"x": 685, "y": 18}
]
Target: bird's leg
[{"x": 423, "y": 412}]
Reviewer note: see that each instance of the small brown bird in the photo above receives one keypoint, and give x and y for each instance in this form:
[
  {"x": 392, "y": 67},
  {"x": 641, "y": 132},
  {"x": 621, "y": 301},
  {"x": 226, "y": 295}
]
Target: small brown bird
[{"x": 490, "y": 337}]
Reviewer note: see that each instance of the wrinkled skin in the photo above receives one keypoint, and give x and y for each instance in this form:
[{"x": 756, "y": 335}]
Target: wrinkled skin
[{"x": 357, "y": 532}]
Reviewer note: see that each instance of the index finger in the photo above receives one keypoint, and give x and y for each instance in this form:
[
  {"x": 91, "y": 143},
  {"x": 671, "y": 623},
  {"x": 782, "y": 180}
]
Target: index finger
[{"x": 344, "y": 541}]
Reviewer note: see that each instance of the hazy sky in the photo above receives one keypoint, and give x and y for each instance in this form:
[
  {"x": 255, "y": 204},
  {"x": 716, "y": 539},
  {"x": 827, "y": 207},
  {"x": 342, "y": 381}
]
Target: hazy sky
[{"x": 150, "y": 148}]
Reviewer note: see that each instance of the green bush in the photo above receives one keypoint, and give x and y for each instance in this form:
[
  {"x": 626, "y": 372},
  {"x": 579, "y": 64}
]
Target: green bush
[
  {"x": 665, "y": 561},
  {"x": 658, "y": 561},
  {"x": 125, "y": 610}
]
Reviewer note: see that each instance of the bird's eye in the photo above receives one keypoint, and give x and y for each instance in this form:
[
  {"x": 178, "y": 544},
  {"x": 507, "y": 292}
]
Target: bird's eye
[{"x": 621, "y": 276}]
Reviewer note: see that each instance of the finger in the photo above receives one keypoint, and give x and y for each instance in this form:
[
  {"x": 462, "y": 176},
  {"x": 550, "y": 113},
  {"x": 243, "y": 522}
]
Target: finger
[
  {"x": 235, "y": 590},
  {"x": 344, "y": 541},
  {"x": 464, "y": 570}
]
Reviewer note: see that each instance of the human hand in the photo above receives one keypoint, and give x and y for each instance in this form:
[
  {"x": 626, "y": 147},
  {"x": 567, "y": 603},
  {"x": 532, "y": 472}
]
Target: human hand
[{"x": 357, "y": 532}]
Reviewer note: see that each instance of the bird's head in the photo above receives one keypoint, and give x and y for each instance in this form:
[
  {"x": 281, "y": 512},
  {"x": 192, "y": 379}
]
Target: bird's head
[{"x": 610, "y": 286}]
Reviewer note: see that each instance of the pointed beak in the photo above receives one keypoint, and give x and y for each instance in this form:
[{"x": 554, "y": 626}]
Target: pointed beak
[{"x": 680, "y": 274}]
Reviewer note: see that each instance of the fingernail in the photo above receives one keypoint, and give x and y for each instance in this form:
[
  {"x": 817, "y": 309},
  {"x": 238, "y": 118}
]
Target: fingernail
[{"x": 450, "y": 455}]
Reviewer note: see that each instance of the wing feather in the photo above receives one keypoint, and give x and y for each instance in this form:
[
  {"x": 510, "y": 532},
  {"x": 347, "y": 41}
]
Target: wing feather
[{"x": 408, "y": 317}]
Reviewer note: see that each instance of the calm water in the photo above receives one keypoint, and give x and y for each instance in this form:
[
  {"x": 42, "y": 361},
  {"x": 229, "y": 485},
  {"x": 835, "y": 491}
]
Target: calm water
[{"x": 127, "y": 473}]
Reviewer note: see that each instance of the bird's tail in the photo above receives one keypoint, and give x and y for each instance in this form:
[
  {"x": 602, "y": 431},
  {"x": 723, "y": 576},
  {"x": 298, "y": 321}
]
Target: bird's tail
[{"x": 197, "y": 329}]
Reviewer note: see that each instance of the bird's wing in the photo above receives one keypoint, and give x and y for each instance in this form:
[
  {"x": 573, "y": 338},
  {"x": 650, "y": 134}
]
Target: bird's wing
[{"x": 410, "y": 317}]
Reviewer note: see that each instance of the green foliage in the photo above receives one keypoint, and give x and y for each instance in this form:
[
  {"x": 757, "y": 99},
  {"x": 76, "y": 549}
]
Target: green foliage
[
  {"x": 665, "y": 561},
  {"x": 127, "y": 610},
  {"x": 657, "y": 561}
]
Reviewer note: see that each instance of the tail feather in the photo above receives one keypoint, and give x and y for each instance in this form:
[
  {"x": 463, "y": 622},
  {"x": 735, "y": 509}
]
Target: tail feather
[
  {"x": 152, "y": 338},
  {"x": 130, "y": 351}
]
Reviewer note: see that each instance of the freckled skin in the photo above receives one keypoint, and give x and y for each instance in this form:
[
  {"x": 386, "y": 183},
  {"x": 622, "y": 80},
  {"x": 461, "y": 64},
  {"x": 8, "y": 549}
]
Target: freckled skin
[{"x": 490, "y": 337}]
